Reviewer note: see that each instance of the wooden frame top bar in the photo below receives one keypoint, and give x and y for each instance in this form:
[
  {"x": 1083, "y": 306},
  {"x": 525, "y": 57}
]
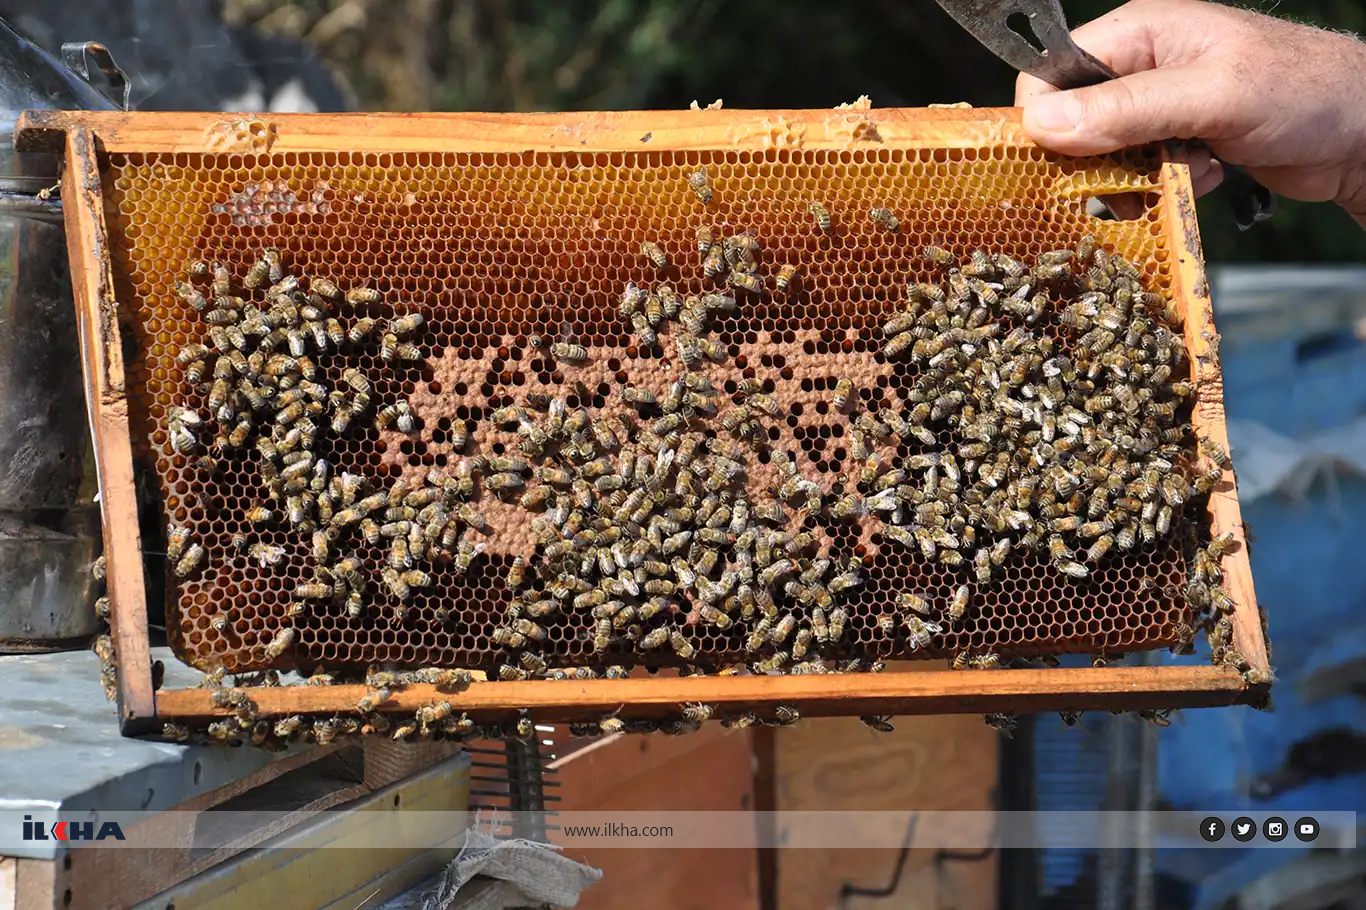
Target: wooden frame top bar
[{"x": 625, "y": 131}]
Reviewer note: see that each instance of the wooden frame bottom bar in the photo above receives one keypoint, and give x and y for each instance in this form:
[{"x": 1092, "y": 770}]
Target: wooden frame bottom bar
[{"x": 892, "y": 693}]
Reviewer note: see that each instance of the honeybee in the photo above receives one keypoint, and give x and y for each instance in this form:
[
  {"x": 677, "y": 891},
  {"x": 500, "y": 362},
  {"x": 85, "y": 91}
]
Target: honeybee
[
  {"x": 177, "y": 536},
  {"x": 785, "y": 276},
  {"x": 1004, "y": 724},
  {"x": 222, "y": 316},
  {"x": 639, "y": 397},
  {"x": 1099, "y": 548},
  {"x": 1072, "y": 568},
  {"x": 900, "y": 535},
  {"x": 836, "y": 620},
  {"x": 281, "y": 643},
  {"x": 847, "y": 580},
  {"x": 611, "y": 725},
  {"x": 405, "y": 421},
  {"x": 536, "y": 497},
  {"x": 362, "y": 296},
  {"x": 1214, "y": 451},
  {"x": 746, "y": 281},
  {"x": 223, "y": 731},
  {"x": 395, "y": 583},
  {"x": 360, "y": 330},
  {"x": 313, "y": 591},
  {"x": 568, "y": 351},
  {"x": 655, "y": 254},
  {"x": 400, "y": 555},
  {"x": 517, "y": 573},
  {"x": 844, "y": 391},
  {"x": 880, "y": 723},
  {"x": 688, "y": 348},
  {"x": 443, "y": 679},
  {"x": 406, "y": 324},
  {"x": 194, "y": 557},
  {"x": 701, "y": 185},
  {"x": 1219, "y": 546},
  {"x": 191, "y": 295},
  {"x": 898, "y": 345},
  {"x": 822, "y": 216},
  {"x": 714, "y": 263},
  {"x": 266, "y": 554},
  {"x": 1207, "y": 480},
  {"x": 959, "y": 603},
  {"x": 681, "y": 646},
  {"x": 938, "y": 256},
  {"x": 847, "y": 507},
  {"x": 652, "y": 640},
  {"x": 918, "y": 632},
  {"x": 373, "y": 699},
  {"x": 355, "y": 605}
]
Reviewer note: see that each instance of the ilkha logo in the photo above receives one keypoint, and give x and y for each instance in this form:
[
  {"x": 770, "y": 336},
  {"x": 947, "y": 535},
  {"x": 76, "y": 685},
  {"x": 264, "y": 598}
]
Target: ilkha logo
[{"x": 69, "y": 831}]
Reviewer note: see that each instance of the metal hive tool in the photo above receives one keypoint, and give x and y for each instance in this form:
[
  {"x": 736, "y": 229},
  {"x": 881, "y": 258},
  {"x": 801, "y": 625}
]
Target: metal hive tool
[{"x": 505, "y": 253}]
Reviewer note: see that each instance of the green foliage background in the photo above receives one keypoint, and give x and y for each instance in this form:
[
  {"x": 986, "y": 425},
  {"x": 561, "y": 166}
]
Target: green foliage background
[{"x": 526, "y": 55}]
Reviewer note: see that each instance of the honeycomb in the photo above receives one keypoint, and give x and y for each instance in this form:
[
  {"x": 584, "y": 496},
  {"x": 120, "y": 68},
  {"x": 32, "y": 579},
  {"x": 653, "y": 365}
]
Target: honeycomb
[{"x": 503, "y": 253}]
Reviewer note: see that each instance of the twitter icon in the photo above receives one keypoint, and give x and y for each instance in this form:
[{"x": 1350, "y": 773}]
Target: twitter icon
[{"x": 1244, "y": 829}]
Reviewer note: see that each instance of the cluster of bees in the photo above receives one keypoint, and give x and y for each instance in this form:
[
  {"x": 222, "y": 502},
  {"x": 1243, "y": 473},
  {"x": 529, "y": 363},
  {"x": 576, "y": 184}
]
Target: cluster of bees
[
  {"x": 646, "y": 519},
  {"x": 435, "y": 720},
  {"x": 1070, "y": 436},
  {"x": 1060, "y": 383},
  {"x": 103, "y": 645},
  {"x": 265, "y": 391}
]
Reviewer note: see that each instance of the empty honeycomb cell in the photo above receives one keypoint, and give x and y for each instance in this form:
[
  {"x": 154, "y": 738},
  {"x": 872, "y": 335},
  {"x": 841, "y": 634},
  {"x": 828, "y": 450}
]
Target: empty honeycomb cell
[{"x": 493, "y": 248}]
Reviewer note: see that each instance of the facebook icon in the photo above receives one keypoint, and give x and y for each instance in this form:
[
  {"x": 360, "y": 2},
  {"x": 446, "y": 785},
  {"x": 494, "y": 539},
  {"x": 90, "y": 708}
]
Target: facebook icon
[{"x": 1212, "y": 829}]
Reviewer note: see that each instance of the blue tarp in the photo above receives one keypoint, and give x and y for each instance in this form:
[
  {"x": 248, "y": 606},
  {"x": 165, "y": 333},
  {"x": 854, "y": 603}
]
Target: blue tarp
[{"x": 1310, "y": 573}]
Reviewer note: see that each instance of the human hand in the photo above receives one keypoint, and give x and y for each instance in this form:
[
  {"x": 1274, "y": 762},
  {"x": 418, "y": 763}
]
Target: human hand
[{"x": 1283, "y": 100}]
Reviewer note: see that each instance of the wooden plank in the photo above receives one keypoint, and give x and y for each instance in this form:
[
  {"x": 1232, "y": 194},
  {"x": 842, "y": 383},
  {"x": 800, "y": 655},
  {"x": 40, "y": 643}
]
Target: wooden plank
[
  {"x": 406, "y": 879},
  {"x": 1190, "y": 287},
  {"x": 511, "y": 134},
  {"x": 329, "y": 858},
  {"x": 120, "y": 878},
  {"x": 930, "y": 692},
  {"x": 9, "y": 883},
  {"x": 37, "y": 886},
  {"x": 765, "y": 739},
  {"x": 283, "y": 765},
  {"x": 706, "y": 771},
  {"x": 106, "y": 399},
  {"x": 927, "y": 764},
  {"x": 131, "y": 874},
  {"x": 388, "y": 762}
]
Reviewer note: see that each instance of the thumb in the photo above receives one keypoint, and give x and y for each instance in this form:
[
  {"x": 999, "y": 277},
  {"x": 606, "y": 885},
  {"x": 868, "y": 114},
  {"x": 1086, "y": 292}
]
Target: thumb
[{"x": 1177, "y": 102}]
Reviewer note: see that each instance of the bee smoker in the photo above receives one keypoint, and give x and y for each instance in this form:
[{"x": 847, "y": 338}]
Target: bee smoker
[{"x": 49, "y": 514}]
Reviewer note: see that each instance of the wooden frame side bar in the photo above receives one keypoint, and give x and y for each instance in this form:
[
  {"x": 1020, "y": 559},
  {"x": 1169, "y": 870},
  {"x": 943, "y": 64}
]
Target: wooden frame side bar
[
  {"x": 106, "y": 398},
  {"x": 150, "y": 132},
  {"x": 1191, "y": 287},
  {"x": 895, "y": 693}
]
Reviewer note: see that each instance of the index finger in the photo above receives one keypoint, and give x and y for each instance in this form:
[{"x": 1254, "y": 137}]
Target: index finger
[{"x": 1122, "y": 40}]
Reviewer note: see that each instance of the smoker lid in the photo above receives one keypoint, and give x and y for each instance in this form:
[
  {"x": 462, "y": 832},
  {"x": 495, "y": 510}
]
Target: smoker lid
[{"x": 33, "y": 79}]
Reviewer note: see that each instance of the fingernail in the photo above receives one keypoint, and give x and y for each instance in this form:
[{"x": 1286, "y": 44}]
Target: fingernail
[{"x": 1058, "y": 113}]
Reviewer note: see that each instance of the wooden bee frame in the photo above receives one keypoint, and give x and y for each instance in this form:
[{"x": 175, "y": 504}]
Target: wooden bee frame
[{"x": 86, "y": 138}]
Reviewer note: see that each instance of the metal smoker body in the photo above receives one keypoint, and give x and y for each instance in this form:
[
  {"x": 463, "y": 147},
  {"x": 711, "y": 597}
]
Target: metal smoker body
[{"x": 49, "y": 518}]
